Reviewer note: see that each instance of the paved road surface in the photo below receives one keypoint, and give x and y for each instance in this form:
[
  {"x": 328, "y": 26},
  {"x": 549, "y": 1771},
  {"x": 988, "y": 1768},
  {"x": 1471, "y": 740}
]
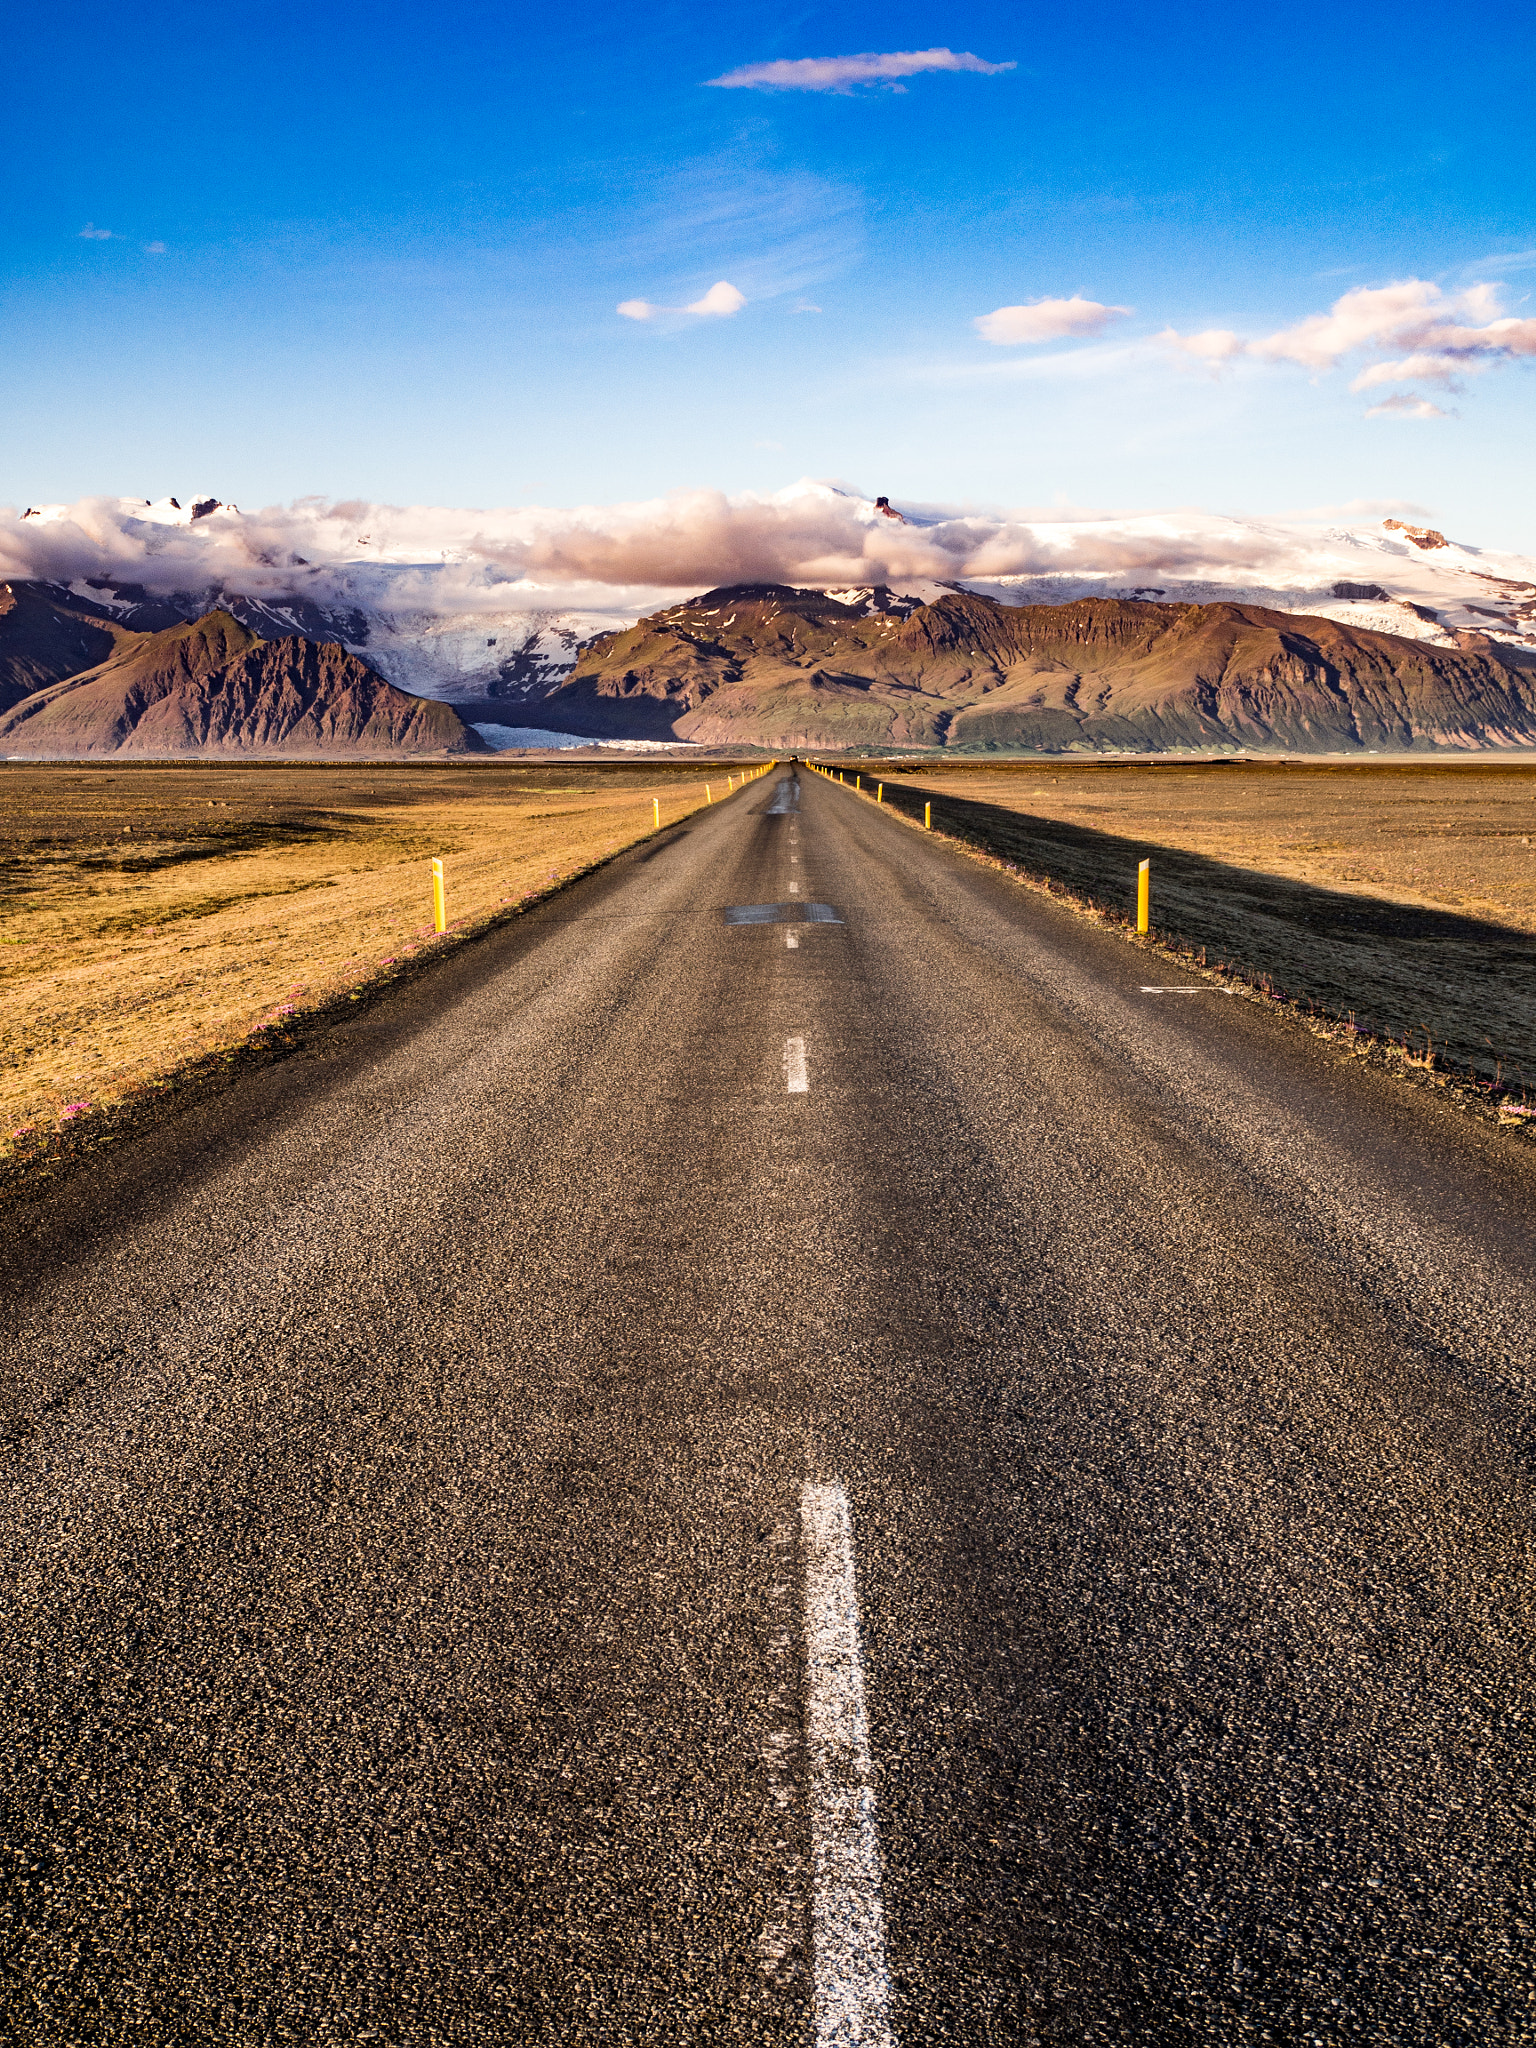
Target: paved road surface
[{"x": 523, "y": 1524}]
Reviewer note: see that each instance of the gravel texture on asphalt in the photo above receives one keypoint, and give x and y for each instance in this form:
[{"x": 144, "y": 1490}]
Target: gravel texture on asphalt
[{"x": 403, "y": 1453}]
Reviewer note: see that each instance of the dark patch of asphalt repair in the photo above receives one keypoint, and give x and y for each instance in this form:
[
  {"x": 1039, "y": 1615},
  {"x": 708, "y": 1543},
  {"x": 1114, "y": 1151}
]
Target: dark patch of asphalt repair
[{"x": 405, "y": 1570}]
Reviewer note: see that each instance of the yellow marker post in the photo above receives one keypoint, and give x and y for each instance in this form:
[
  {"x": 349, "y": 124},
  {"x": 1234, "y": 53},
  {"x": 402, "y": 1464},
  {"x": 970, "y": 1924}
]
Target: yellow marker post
[
  {"x": 439, "y": 901},
  {"x": 927, "y": 817},
  {"x": 879, "y": 792},
  {"x": 1144, "y": 896},
  {"x": 858, "y": 782},
  {"x": 655, "y": 813},
  {"x": 707, "y": 797}
]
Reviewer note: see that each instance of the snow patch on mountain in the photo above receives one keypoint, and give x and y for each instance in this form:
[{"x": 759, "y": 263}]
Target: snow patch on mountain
[
  {"x": 879, "y": 597},
  {"x": 1420, "y": 592}
]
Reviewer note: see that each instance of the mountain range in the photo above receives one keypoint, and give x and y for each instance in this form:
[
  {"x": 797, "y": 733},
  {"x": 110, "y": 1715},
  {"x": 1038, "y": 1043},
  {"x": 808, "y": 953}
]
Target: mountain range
[
  {"x": 787, "y": 668},
  {"x": 1143, "y": 633}
]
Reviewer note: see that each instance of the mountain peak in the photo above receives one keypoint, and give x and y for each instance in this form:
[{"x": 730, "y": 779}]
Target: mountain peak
[{"x": 212, "y": 685}]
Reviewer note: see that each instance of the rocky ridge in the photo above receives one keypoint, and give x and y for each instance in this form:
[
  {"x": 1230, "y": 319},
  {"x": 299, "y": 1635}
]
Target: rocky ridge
[{"x": 782, "y": 667}]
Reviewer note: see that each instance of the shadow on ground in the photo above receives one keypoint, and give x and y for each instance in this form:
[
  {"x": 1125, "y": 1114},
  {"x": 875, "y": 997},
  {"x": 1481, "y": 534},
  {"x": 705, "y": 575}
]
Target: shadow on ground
[{"x": 1402, "y": 971}]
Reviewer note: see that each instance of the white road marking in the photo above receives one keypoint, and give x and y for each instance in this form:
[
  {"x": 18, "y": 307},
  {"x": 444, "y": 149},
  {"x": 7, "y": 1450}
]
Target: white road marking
[
  {"x": 1199, "y": 988},
  {"x": 791, "y": 939},
  {"x": 794, "y": 1067},
  {"x": 794, "y": 888},
  {"x": 852, "y": 1988}
]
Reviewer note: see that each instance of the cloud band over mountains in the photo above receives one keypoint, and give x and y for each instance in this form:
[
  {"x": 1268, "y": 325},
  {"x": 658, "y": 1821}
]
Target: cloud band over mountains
[{"x": 811, "y": 534}]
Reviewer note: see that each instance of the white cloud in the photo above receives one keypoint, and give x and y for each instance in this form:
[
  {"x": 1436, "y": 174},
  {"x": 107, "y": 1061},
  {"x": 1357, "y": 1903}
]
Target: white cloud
[
  {"x": 1214, "y": 345},
  {"x": 1046, "y": 320},
  {"x": 718, "y": 303},
  {"x": 91, "y": 233},
  {"x": 1430, "y": 369},
  {"x": 154, "y": 248},
  {"x": 1406, "y": 405},
  {"x": 1446, "y": 336},
  {"x": 842, "y": 74},
  {"x": 1361, "y": 318}
]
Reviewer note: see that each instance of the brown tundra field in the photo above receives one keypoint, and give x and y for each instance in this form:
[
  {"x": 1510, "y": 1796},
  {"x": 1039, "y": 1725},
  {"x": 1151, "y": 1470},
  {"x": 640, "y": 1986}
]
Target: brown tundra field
[{"x": 155, "y": 914}]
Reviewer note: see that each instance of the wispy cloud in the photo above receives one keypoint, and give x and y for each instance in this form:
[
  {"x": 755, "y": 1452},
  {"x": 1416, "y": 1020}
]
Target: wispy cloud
[
  {"x": 1215, "y": 345},
  {"x": 154, "y": 248},
  {"x": 1406, "y": 405},
  {"x": 844, "y": 74},
  {"x": 718, "y": 303},
  {"x": 775, "y": 235},
  {"x": 1046, "y": 320},
  {"x": 1444, "y": 335},
  {"x": 91, "y": 233}
]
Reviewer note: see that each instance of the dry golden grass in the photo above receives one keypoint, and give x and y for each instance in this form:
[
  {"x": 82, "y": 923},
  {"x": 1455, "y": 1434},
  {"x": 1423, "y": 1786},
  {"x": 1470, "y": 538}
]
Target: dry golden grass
[
  {"x": 1443, "y": 835},
  {"x": 156, "y": 913},
  {"x": 1402, "y": 894}
]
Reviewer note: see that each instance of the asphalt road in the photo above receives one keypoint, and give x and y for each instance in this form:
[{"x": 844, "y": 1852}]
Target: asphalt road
[{"x": 675, "y": 1472}]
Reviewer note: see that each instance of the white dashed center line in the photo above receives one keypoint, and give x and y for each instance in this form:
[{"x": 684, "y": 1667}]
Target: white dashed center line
[
  {"x": 851, "y": 1989},
  {"x": 794, "y": 1067},
  {"x": 794, "y": 888},
  {"x": 791, "y": 940}
]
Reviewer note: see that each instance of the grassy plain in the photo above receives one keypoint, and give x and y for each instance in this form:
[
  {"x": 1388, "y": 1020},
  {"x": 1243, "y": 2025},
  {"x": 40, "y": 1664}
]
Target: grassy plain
[
  {"x": 1403, "y": 893},
  {"x": 153, "y": 914}
]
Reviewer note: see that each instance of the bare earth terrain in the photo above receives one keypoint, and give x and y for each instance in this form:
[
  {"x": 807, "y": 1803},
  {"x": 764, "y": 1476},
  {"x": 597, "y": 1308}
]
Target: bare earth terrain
[
  {"x": 154, "y": 913},
  {"x": 1401, "y": 893}
]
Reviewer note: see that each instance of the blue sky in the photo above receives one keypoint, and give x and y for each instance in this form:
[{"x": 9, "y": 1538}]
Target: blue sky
[{"x": 377, "y": 252}]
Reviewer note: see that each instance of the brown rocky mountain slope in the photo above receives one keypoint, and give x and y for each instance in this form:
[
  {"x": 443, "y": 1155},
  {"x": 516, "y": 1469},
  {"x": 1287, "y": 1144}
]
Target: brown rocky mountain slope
[
  {"x": 214, "y": 687},
  {"x": 48, "y": 634},
  {"x": 794, "y": 668}
]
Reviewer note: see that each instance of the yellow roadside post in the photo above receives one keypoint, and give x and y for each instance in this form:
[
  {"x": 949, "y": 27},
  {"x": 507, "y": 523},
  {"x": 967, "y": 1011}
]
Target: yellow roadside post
[
  {"x": 927, "y": 817},
  {"x": 655, "y": 813},
  {"x": 707, "y": 797},
  {"x": 858, "y": 782},
  {"x": 879, "y": 792},
  {"x": 439, "y": 903},
  {"x": 1144, "y": 896}
]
